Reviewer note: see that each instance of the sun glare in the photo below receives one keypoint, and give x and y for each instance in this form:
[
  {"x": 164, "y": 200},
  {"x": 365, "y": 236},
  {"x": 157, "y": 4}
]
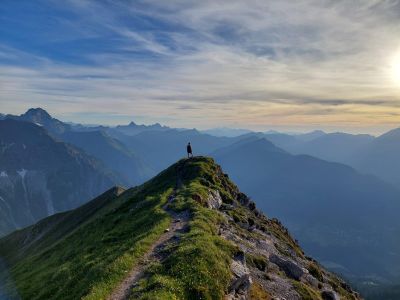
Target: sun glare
[{"x": 395, "y": 68}]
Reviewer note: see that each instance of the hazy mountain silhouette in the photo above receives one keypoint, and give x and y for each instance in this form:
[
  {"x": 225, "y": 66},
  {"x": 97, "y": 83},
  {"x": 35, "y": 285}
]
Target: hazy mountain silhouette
[
  {"x": 132, "y": 128},
  {"x": 161, "y": 148},
  {"x": 112, "y": 153},
  {"x": 226, "y": 132},
  {"x": 381, "y": 157},
  {"x": 336, "y": 147}
]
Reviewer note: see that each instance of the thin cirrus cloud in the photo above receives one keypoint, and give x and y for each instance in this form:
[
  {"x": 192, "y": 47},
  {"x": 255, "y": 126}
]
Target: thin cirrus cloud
[{"x": 255, "y": 64}]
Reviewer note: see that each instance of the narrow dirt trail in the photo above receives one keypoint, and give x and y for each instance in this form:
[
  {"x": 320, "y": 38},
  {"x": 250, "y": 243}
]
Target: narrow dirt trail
[{"x": 178, "y": 224}]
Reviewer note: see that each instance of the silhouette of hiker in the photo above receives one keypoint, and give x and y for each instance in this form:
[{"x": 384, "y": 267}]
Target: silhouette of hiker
[{"x": 189, "y": 150}]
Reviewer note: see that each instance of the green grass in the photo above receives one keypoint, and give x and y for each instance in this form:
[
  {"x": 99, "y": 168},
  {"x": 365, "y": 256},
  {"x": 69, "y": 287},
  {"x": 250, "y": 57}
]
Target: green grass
[
  {"x": 306, "y": 292},
  {"x": 89, "y": 261},
  {"x": 199, "y": 266},
  {"x": 315, "y": 271},
  {"x": 257, "y": 261},
  {"x": 92, "y": 261},
  {"x": 87, "y": 252}
]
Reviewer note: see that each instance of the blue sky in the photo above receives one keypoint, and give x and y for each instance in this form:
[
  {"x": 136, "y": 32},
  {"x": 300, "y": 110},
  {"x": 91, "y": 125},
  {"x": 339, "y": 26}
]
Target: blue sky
[{"x": 288, "y": 65}]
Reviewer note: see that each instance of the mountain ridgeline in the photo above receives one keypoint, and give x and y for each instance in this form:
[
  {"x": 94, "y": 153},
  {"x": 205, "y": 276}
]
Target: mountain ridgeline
[{"x": 188, "y": 233}]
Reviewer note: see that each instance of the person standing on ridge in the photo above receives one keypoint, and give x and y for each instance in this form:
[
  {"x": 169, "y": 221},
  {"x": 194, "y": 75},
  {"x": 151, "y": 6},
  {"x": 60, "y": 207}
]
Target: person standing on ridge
[{"x": 189, "y": 150}]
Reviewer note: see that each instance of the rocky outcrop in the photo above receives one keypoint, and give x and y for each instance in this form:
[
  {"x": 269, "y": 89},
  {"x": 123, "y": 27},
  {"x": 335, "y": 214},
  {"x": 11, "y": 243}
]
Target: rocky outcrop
[
  {"x": 291, "y": 269},
  {"x": 329, "y": 295},
  {"x": 214, "y": 200},
  {"x": 270, "y": 264},
  {"x": 241, "y": 280}
]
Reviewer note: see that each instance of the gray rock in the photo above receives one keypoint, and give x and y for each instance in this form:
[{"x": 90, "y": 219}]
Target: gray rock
[
  {"x": 311, "y": 280},
  {"x": 291, "y": 269},
  {"x": 329, "y": 295},
  {"x": 225, "y": 206},
  {"x": 241, "y": 281},
  {"x": 214, "y": 200}
]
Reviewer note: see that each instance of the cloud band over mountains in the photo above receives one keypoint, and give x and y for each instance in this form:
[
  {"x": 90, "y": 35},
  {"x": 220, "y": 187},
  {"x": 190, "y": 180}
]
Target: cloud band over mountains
[{"x": 253, "y": 64}]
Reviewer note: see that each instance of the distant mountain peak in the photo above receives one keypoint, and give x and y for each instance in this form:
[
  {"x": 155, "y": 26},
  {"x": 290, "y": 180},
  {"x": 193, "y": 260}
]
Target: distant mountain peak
[
  {"x": 38, "y": 112},
  {"x": 41, "y": 117},
  {"x": 132, "y": 124},
  {"x": 394, "y": 133}
]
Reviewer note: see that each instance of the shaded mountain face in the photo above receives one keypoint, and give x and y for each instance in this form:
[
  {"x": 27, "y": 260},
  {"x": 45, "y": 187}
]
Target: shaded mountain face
[
  {"x": 376, "y": 156},
  {"x": 40, "y": 176},
  {"x": 334, "y": 211},
  {"x": 41, "y": 118},
  {"x": 381, "y": 157},
  {"x": 292, "y": 142},
  {"x": 130, "y": 169},
  {"x": 188, "y": 233},
  {"x": 127, "y": 167},
  {"x": 336, "y": 147}
]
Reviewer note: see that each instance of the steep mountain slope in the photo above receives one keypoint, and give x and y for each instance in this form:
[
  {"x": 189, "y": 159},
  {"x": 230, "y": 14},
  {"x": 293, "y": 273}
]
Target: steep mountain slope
[
  {"x": 40, "y": 176},
  {"x": 120, "y": 246},
  {"x": 334, "y": 211},
  {"x": 112, "y": 153},
  {"x": 127, "y": 167}
]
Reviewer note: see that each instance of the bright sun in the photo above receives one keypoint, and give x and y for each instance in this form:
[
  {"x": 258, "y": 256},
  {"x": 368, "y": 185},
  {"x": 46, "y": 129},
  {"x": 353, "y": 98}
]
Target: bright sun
[{"x": 395, "y": 68}]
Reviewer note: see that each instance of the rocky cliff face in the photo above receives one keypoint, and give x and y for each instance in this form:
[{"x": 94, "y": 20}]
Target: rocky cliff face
[
  {"x": 188, "y": 233},
  {"x": 40, "y": 176}
]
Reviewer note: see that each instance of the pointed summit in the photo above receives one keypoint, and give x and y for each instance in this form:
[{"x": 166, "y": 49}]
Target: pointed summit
[
  {"x": 38, "y": 114},
  {"x": 132, "y": 124},
  {"x": 42, "y": 118}
]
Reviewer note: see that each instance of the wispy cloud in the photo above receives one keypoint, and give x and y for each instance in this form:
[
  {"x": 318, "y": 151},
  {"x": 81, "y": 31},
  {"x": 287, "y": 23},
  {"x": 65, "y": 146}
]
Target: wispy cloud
[{"x": 250, "y": 63}]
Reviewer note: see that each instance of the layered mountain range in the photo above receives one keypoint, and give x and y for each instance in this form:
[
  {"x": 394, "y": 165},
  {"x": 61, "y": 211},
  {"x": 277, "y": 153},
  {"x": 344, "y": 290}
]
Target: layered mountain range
[
  {"x": 337, "y": 193},
  {"x": 40, "y": 176}
]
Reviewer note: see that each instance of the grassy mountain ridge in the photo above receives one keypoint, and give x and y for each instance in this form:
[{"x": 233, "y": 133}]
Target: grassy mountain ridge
[{"x": 229, "y": 249}]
